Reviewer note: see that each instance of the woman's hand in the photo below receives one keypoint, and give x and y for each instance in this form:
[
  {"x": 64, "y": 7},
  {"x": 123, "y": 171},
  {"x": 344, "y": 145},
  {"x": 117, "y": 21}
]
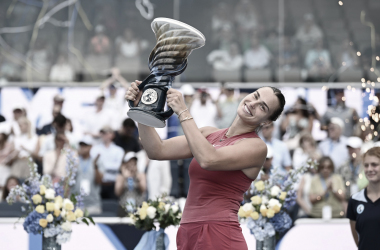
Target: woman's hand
[
  {"x": 133, "y": 92},
  {"x": 175, "y": 100}
]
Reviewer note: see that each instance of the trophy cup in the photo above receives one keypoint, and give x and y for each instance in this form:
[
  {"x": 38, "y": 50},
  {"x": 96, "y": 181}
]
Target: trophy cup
[{"x": 175, "y": 42}]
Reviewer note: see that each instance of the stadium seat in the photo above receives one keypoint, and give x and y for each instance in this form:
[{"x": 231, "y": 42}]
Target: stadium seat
[
  {"x": 258, "y": 75},
  {"x": 351, "y": 75},
  {"x": 292, "y": 75},
  {"x": 227, "y": 76}
]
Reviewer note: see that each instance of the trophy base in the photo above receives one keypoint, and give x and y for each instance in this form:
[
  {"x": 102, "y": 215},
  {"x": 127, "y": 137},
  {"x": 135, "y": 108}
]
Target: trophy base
[{"x": 146, "y": 118}]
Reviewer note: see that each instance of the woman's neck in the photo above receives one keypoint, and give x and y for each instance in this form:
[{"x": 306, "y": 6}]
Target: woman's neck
[
  {"x": 373, "y": 188},
  {"x": 238, "y": 127}
]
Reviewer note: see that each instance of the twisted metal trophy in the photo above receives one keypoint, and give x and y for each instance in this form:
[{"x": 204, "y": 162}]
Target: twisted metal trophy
[{"x": 175, "y": 42}]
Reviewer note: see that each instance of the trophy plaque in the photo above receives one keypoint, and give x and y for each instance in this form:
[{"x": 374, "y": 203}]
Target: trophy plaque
[{"x": 175, "y": 42}]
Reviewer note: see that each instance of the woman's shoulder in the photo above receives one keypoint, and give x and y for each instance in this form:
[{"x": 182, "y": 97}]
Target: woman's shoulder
[{"x": 206, "y": 131}]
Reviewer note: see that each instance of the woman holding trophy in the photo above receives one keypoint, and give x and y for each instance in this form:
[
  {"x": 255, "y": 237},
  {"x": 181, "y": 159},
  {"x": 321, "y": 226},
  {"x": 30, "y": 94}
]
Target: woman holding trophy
[{"x": 225, "y": 163}]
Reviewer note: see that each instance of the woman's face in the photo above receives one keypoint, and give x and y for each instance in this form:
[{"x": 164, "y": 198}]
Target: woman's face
[
  {"x": 258, "y": 106},
  {"x": 23, "y": 127},
  {"x": 372, "y": 168},
  {"x": 325, "y": 169},
  {"x": 11, "y": 184}
]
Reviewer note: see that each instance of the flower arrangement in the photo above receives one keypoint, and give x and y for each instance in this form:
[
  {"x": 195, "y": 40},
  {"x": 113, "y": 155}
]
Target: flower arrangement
[
  {"x": 266, "y": 213},
  {"x": 47, "y": 209}
]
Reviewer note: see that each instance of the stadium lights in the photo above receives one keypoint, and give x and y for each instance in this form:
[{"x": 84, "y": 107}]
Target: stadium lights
[
  {"x": 358, "y": 53},
  {"x": 340, "y": 3}
]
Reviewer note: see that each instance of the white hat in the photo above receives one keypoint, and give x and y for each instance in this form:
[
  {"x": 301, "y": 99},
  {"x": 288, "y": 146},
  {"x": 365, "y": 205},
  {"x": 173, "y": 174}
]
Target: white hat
[
  {"x": 187, "y": 89},
  {"x": 18, "y": 106},
  {"x": 337, "y": 121},
  {"x": 354, "y": 142},
  {"x": 86, "y": 140},
  {"x": 128, "y": 156},
  {"x": 5, "y": 128},
  {"x": 269, "y": 151}
]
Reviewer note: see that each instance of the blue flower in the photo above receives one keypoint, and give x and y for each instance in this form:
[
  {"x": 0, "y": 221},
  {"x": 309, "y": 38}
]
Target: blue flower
[
  {"x": 281, "y": 222},
  {"x": 290, "y": 199},
  {"x": 32, "y": 222}
]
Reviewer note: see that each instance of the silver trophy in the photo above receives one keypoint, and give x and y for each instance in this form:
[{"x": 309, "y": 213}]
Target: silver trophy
[{"x": 175, "y": 42}]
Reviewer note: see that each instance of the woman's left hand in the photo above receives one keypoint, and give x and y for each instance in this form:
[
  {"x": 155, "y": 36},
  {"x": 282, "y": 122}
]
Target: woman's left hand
[{"x": 175, "y": 100}]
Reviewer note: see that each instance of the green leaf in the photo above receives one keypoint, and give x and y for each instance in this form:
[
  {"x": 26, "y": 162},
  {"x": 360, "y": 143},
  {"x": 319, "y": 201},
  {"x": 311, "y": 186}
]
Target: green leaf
[
  {"x": 73, "y": 199},
  {"x": 85, "y": 221},
  {"x": 92, "y": 221}
]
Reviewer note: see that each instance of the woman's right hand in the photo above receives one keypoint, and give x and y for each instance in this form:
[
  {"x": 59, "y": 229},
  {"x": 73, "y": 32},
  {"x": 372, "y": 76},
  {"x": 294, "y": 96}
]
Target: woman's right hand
[{"x": 133, "y": 92}]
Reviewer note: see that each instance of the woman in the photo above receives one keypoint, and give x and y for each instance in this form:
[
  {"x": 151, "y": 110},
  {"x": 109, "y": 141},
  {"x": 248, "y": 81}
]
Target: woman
[
  {"x": 327, "y": 189},
  {"x": 364, "y": 207},
  {"x": 54, "y": 161},
  {"x": 225, "y": 163},
  {"x": 11, "y": 182},
  {"x": 307, "y": 150}
]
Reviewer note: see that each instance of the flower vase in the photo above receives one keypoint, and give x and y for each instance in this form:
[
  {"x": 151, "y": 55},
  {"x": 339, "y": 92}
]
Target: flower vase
[
  {"x": 50, "y": 243},
  {"x": 268, "y": 243},
  {"x": 160, "y": 242}
]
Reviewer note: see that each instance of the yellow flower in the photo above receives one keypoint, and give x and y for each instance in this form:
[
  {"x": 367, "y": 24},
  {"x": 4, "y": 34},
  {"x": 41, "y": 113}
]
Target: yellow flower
[
  {"x": 43, "y": 223},
  {"x": 161, "y": 205},
  {"x": 68, "y": 205},
  {"x": 70, "y": 216},
  {"x": 282, "y": 196},
  {"x": 37, "y": 199},
  {"x": 49, "y": 206},
  {"x": 40, "y": 209},
  {"x": 49, "y": 218},
  {"x": 78, "y": 213},
  {"x": 270, "y": 213},
  {"x": 254, "y": 215},
  {"x": 143, "y": 213},
  {"x": 242, "y": 213},
  {"x": 263, "y": 210},
  {"x": 58, "y": 200},
  {"x": 144, "y": 205},
  {"x": 256, "y": 200},
  {"x": 42, "y": 189},
  {"x": 276, "y": 208},
  {"x": 260, "y": 186},
  {"x": 57, "y": 212}
]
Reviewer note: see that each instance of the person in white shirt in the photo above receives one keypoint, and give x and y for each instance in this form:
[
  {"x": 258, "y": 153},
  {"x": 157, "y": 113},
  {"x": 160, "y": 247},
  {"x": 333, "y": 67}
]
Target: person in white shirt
[
  {"x": 223, "y": 60},
  {"x": 203, "y": 110},
  {"x": 61, "y": 71},
  {"x": 309, "y": 32},
  {"x": 335, "y": 145},
  {"x": 108, "y": 156},
  {"x": 257, "y": 56}
]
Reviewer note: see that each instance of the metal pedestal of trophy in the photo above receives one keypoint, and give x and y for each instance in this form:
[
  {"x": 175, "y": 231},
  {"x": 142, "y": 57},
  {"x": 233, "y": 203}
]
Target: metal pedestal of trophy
[{"x": 175, "y": 42}]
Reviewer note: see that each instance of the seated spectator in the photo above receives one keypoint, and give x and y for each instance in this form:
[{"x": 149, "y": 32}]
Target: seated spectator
[
  {"x": 26, "y": 146},
  {"x": 327, "y": 189},
  {"x": 353, "y": 167},
  {"x": 18, "y": 112},
  {"x": 309, "y": 32},
  {"x": 303, "y": 193},
  {"x": 10, "y": 183},
  {"x": 318, "y": 62},
  {"x": 257, "y": 56},
  {"x": 130, "y": 185},
  {"x": 54, "y": 160},
  {"x": 128, "y": 45},
  {"x": 271, "y": 41},
  {"x": 227, "y": 108},
  {"x": 7, "y": 153},
  {"x": 40, "y": 58},
  {"x": 220, "y": 20},
  {"x": 100, "y": 43},
  {"x": 89, "y": 177},
  {"x": 159, "y": 179},
  {"x": 10, "y": 71},
  {"x": 307, "y": 150},
  {"x": 61, "y": 71},
  {"x": 109, "y": 158},
  {"x": 49, "y": 128},
  {"x": 203, "y": 110},
  {"x": 125, "y": 137},
  {"x": 246, "y": 17},
  {"x": 348, "y": 57},
  {"x": 267, "y": 166},
  {"x": 223, "y": 60},
  {"x": 281, "y": 155},
  {"x": 335, "y": 145},
  {"x": 289, "y": 57}
]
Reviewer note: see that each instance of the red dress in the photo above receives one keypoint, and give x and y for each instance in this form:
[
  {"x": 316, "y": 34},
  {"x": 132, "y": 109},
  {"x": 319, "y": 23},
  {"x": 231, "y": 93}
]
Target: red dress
[{"x": 209, "y": 220}]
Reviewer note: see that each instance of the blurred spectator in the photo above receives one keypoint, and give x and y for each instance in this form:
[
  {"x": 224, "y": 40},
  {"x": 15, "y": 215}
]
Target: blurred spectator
[
  {"x": 128, "y": 45},
  {"x": 271, "y": 42},
  {"x": 54, "y": 160},
  {"x": 221, "y": 20},
  {"x": 18, "y": 112},
  {"x": 100, "y": 43},
  {"x": 159, "y": 178},
  {"x": 226, "y": 108},
  {"x": 223, "y": 60},
  {"x": 226, "y": 37},
  {"x": 303, "y": 193},
  {"x": 130, "y": 184},
  {"x": 89, "y": 177},
  {"x": 61, "y": 71},
  {"x": 109, "y": 157},
  {"x": 348, "y": 57},
  {"x": 125, "y": 137},
  {"x": 188, "y": 94},
  {"x": 339, "y": 109},
  {"x": 281, "y": 155},
  {"x": 26, "y": 145},
  {"x": 257, "y": 56},
  {"x": 296, "y": 120},
  {"x": 203, "y": 110},
  {"x": 10, "y": 183},
  {"x": 9, "y": 70},
  {"x": 307, "y": 150},
  {"x": 309, "y": 32},
  {"x": 351, "y": 169},
  {"x": 327, "y": 189},
  {"x": 40, "y": 58},
  {"x": 49, "y": 128},
  {"x": 7, "y": 152},
  {"x": 246, "y": 17},
  {"x": 289, "y": 57},
  {"x": 317, "y": 61},
  {"x": 335, "y": 145},
  {"x": 267, "y": 166}
]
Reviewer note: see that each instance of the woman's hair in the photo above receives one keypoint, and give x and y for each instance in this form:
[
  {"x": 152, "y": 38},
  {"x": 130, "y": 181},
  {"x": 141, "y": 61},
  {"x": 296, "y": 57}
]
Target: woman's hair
[
  {"x": 276, "y": 113},
  {"x": 6, "y": 191},
  {"x": 303, "y": 108},
  {"x": 307, "y": 137},
  {"x": 323, "y": 160},
  {"x": 375, "y": 151}
]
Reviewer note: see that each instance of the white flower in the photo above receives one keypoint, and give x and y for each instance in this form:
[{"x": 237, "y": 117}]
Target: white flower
[
  {"x": 151, "y": 212},
  {"x": 175, "y": 208},
  {"x": 49, "y": 218},
  {"x": 50, "y": 194},
  {"x": 274, "y": 202},
  {"x": 63, "y": 237},
  {"x": 167, "y": 207},
  {"x": 66, "y": 226},
  {"x": 264, "y": 199},
  {"x": 247, "y": 207},
  {"x": 275, "y": 190},
  {"x": 68, "y": 204},
  {"x": 57, "y": 206},
  {"x": 63, "y": 213}
]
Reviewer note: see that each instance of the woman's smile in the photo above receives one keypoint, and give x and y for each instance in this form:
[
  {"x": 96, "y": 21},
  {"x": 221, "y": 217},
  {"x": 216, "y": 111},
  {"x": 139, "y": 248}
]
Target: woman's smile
[{"x": 246, "y": 109}]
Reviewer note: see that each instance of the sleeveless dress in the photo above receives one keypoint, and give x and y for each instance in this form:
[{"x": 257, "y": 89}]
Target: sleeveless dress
[{"x": 210, "y": 220}]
